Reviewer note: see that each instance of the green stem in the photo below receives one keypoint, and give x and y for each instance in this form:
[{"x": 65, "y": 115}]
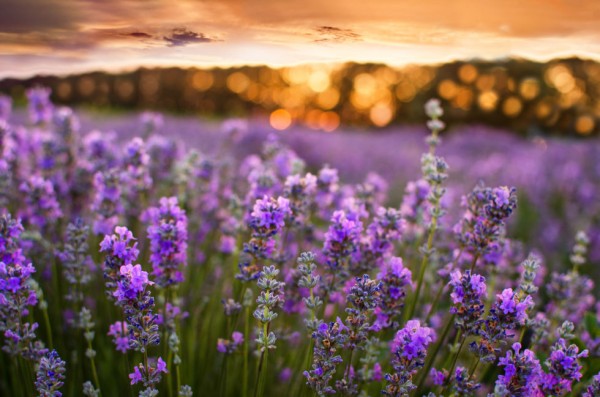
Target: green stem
[
  {"x": 94, "y": 371},
  {"x": 424, "y": 263},
  {"x": 246, "y": 346},
  {"x": 48, "y": 329},
  {"x": 454, "y": 360}
]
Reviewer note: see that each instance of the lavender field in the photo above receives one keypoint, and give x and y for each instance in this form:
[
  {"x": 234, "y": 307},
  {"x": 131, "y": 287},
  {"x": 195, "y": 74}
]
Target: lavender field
[{"x": 147, "y": 254}]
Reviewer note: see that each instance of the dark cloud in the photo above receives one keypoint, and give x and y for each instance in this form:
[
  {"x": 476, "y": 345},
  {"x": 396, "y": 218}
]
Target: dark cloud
[
  {"x": 333, "y": 34},
  {"x": 182, "y": 36},
  {"x": 139, "y": 35}
]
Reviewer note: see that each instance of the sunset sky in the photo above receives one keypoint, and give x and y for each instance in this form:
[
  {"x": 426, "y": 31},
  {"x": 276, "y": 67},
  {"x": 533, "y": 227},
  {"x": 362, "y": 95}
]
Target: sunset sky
[{"x": 66, "y": 36}]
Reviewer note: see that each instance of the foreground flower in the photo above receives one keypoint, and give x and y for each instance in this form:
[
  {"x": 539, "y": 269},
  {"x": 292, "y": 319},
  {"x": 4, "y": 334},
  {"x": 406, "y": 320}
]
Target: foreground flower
[
  {"x": 50, "y": 375},
  {"x": 409, "y": 349},
  {"x": 522, "y": 374},
  {"x": 168, "y": 241}
]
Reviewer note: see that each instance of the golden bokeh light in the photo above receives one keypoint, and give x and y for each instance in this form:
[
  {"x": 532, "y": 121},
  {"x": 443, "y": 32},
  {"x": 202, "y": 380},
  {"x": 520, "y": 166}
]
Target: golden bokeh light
[
  {"x": 328, "y": 99},
  {"x": 280, "y": 119},
  {"x": 238, "y": 82},
  {"x": 584, "y": 125},
  {"x": 381, "y": 114},
  {"x": 447, "y": 89},
  {"x": 487, "y": 100},
  {"x": 512, "y": 106},
  {"x": 467, "y": 73},
  {"x": 543, "y": 110},
  {"x": 319, "y": 81},
  {"x": 202, "y": 80},
  {"x": 365, "y": 84},
  {"x": 529, "y": 88}
]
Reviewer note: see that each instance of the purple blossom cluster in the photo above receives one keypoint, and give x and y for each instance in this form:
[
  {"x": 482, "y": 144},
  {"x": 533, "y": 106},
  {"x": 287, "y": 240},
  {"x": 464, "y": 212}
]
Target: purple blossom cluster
[
  {"x": 468, "y": 295},
  {"x": 50, "y": 375},
  {"x": 395, "y": 281},
  {"x": 409, "y": 349},
  {"x": 253, "y": 270},
  {"x": 17, "y": 295},
  {"x": 168, "y": 241},
  {"x": 482, "y": 228}
]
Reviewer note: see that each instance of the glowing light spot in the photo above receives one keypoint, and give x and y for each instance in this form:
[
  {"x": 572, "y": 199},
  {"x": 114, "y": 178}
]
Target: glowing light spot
[
  {"x": 381, "y": 114},
  {"x": 447, "y": 89},
  {"x": 202, "y": 80},
  {"x": 512, "y": 106},
  {"x": 319, "y": 81},
  {"x": 467, "y": 73},
  {"x": 585, "y": 124},
  {"x": 328, "y": 98},
  {"x": 529, "y": 88},
  {"x": 280, "y": 119},
  {"x": 487, "y": 100},
  {"x": 238, "y": 82},
  {"x": 365, "y": 84},
  {"x": 543, "y": 110}
]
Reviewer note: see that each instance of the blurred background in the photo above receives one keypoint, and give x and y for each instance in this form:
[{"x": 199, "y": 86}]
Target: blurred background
[{"x": 559, "y": 97}]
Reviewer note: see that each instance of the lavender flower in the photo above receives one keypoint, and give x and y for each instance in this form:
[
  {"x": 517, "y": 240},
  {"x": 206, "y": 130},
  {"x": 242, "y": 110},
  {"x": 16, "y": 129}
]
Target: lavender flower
[
  {"x": 327, "y": 189},
  {"x": 522, "y": 374},
  {"x": 40, "y": 198},
  {"x": 120, "y": 333},
  {"x": 5, "y": 107},
  {"x": 266, "y": 220},
  {"x": 40, "y": 106},
  {"x": 310, "y": 280},
  {"x": 149, "y": 376},
  {"x": 329, "y": 339},
  {"x": 382, "y": 233},
  {"x": 230, "y": 346},
  {"x": 50, "y": 375},
  {"x": 138, "y": 305},
  {"x": 77, "y": 264},
  {"x": 464, "y": 385},
  {"x": 341, "y": 239},
  {"x": 107, "y": 205},
  {"x": 120, "y": 249},
  {"x": 363, "y": 298},
  {"x": 468, "y": 292},
  {"x": 563, "y": 369},
  {"x": 268, "y": 216},
  {"x": 395, "y": 280},
  {"x": 593, "y": 389},
  {"x": 136, "y": 173},
  {"x": 168, "y": 241},
  {"x": 508, "y": 312},
  {"x": 17, "y": 294},
  {"x": 409, "y": 349},
  {"x": 300, "y": 192},
  {"x": 482, "y": 226},
  {"x": 269, "y": 299}
]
